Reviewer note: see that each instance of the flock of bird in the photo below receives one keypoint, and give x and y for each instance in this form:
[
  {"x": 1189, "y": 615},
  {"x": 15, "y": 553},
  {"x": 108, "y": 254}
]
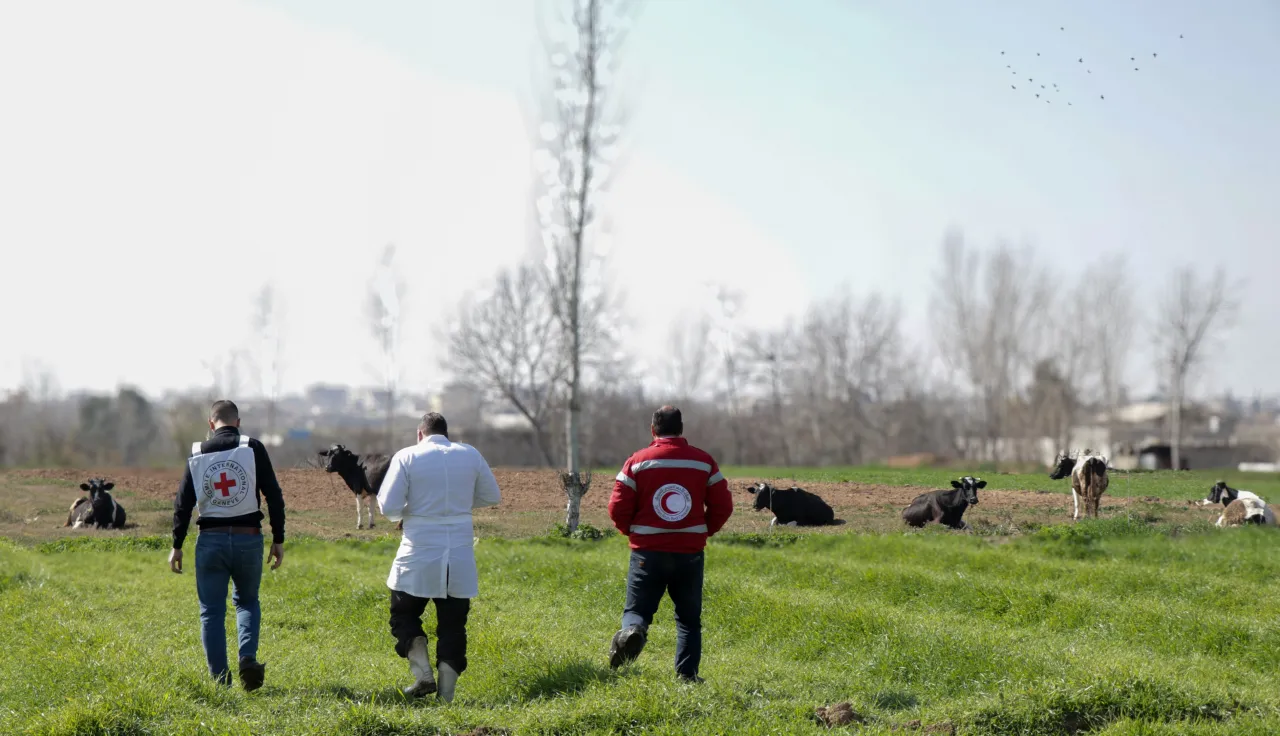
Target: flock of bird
[{"x": 1046, "y": 90}]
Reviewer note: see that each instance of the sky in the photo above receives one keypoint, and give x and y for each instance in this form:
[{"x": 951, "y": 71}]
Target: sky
[{"x": 161, "y": 161}]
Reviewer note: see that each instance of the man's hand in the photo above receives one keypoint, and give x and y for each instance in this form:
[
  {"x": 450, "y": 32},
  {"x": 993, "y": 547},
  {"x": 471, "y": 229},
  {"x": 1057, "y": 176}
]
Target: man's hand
[
  {"x": 175, "y": 560},
  {"x": 277, "y": 553}
]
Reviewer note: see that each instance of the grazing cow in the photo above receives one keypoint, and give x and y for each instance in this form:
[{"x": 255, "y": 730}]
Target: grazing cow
[
  {"x": 1088, "y": 479},
  {"x": 363, "y": 474},
  {"x": 1242, "y": 507},
  {"x": 98, "y": 508},
  {"x": 793, "y": 506},
  {"x": 945, "y": 507}
]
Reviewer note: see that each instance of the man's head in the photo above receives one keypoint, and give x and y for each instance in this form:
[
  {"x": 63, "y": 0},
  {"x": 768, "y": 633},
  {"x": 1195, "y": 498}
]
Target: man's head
[
  {"x": 432, "y": 423},
  {"x": 667, "y": 422},
  {"x": 224, "y": 414}
]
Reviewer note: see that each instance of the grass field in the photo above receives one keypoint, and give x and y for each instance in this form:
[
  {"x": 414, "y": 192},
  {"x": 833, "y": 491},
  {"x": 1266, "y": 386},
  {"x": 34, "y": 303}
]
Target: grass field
[{"x": 1109, "y": 627}]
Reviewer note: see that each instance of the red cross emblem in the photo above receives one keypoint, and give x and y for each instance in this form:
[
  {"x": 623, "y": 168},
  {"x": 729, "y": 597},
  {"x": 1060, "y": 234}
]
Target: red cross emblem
[{"x": 225, "y": 485}]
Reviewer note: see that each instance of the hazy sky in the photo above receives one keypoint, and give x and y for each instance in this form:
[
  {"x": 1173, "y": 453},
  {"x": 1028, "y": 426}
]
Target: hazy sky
[{"x": 161, "y": 160}]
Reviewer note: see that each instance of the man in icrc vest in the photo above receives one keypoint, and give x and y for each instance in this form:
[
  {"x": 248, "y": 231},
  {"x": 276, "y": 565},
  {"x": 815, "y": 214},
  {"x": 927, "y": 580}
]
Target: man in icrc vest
[{"x": 225, "y": 478}]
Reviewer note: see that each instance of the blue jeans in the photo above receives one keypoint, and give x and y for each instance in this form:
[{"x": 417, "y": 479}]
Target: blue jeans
[
  {"x": 679, "y": 574},
  {"x": 221, "y": 558}
]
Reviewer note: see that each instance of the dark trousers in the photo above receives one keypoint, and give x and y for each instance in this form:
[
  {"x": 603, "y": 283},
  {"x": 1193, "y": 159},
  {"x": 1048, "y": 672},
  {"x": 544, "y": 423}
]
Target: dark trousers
[
  {"x": 678, "y": 574},
  {"x": 451, "y": 626}
]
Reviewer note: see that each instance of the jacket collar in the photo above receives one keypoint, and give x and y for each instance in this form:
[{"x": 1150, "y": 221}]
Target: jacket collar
[
  {"x": 227, "y": 431},
  {"x": 669, "y": 442}
]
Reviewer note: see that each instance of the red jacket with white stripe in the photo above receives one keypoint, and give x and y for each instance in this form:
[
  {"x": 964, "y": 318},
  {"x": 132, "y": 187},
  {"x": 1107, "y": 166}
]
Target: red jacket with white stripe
[{"x": 669, "y": 497}]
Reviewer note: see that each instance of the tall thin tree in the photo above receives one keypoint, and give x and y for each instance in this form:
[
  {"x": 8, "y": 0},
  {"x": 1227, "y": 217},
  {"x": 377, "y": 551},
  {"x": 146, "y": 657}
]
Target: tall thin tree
[{"x": 579, "y": 131}]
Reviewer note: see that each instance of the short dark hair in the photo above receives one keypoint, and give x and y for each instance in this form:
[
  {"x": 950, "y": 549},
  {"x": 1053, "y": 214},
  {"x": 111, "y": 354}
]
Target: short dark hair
[
  {"x": 224, "y": 411},
  {"x": 433, "y": 423},
  {"x": 667, "y": 422}
]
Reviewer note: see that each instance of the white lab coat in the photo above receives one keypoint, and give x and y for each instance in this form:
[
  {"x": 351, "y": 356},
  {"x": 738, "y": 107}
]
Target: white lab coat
[{"x": 433, "y": 486}]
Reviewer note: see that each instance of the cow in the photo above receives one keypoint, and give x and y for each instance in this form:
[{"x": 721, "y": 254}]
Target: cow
[
  {"x": 363, "y": 474},
  {"x": 945, "y": 507},
  {"x": 1242, "y": 507},
  {"x": 793, "y": 506},
  {"x": 1088, "y": 479},
  {"x": 98, "y": 509},
  {"x": 81, "y": 513}
]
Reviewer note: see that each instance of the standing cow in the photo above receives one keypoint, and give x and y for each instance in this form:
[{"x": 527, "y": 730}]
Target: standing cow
[
  {"x": 1088, "y": 479},
  {"x": 945, "y": 507},
  {"x": 363, "y": 474}
]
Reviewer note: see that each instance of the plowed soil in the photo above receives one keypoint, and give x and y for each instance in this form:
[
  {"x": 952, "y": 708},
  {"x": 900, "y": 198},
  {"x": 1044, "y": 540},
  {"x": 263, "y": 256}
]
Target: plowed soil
[{"x": 35, "y": 502}]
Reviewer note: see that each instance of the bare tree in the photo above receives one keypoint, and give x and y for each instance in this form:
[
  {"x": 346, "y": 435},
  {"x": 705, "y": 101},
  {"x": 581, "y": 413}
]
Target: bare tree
[
  {"x": 225, "y": 372},
  {"x": 847, "y": 374},
  {"x": 1191, "y": 316},
  {"x": 735, "y": 363},
  {"x": 774, "y": 352},
  {"x": 386, "y": 294},
  {"x": 689, "y": 356},
  {"x": 988, "y": 312},
  {"x": 267, "y": 326},
  {"x": 580, "y": 132},
  {"x": 507, "y": 341},
  {"x": 1113, "y": 319}
]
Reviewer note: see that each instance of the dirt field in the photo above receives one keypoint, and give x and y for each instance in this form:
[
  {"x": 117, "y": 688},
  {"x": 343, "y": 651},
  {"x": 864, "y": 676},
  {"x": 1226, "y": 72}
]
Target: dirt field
[{"x": 34, "y": 503}]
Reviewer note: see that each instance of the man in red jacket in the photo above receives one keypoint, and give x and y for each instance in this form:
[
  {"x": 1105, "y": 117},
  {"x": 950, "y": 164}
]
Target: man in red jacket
[{"x": 668, "y": 498}]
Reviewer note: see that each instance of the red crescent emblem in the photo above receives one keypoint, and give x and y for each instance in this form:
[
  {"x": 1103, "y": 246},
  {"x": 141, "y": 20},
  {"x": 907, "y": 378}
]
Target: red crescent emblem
[{"x": 665, "y": 507}]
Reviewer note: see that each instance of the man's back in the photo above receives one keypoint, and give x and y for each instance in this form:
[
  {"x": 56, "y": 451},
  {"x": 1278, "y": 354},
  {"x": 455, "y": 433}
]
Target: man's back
[
  {"x": 437, "y": 478},
  {"x": 670, "y": 486}
]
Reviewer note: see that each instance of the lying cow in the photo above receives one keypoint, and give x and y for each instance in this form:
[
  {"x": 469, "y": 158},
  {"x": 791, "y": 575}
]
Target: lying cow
[
  {"x": 98, "y": 509},
  {"x": 363, "y": 474},
  {"x": 793, "y": 506},
  {"x": 1242, "y": 507},
  {"x": 945, "y": 507}
]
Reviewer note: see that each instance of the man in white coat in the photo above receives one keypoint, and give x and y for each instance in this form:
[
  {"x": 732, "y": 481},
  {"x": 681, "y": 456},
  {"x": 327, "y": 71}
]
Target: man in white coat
[{"x": 433, "y": 486}]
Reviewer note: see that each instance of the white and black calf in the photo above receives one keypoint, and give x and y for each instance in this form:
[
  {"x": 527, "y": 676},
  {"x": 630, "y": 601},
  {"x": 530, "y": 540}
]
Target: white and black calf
[
  {"x": 945, "y": 507},
  {"x": 363, "y": 474},
  {"x": 1242, "y": 507},
  {"x": 792, "y": 506},
  {"x": 98, "y": 509}
]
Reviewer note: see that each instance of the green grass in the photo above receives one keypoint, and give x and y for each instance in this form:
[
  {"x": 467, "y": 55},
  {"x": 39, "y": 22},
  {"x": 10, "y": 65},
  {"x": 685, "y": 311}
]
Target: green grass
[
  {"x": 1115, "y": 627},
  {"x": 1166, "y": 484}
]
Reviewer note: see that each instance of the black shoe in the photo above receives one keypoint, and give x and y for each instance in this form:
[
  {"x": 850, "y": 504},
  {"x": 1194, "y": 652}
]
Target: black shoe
[
  {"x": 691, "y": 679},
  {"x": 626, "y": 646},
  {"x": 252, "y": 673}
]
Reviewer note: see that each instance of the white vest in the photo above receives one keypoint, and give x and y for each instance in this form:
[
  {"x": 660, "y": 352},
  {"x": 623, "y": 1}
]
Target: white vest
[{"x": 226, "y": 482}]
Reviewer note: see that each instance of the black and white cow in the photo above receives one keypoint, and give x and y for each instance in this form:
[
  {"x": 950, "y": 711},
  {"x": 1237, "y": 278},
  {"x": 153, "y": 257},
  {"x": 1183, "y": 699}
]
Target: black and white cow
[
  {"x": 1089, "y": 479},
  {"x": 1242, "y": 507},
  {"x": 792, "y": 506},
  {"x": 363, "y": 474},
  {"x": 945, "y": 507},
  {"x": 98, "y": 509}
]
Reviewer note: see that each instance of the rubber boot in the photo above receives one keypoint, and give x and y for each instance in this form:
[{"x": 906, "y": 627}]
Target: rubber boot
[
  {"x": 420, "y": 665},
  {"x": 448, "y": 681}
]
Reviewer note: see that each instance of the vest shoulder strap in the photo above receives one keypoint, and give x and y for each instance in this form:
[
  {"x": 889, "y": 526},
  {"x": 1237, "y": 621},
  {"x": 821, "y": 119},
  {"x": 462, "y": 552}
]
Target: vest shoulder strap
[
  {"x": 244, "y": 440},
  {"x": 195, "y": 448}
]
